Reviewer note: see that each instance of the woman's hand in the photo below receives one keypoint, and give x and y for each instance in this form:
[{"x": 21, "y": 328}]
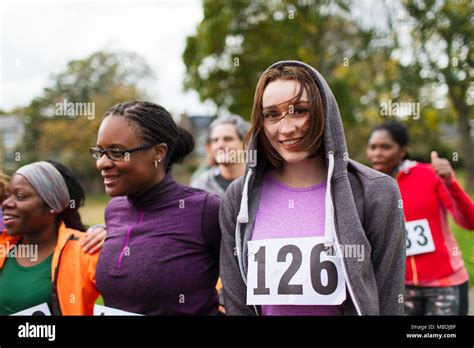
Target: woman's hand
[
  {"x": 442, "y": 167},
  {"x": 94, "y": 239}
]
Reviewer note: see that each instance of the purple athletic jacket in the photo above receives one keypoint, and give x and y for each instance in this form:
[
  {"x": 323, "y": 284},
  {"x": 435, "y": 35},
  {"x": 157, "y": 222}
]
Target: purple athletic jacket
[{"x": 161, "y": 254}]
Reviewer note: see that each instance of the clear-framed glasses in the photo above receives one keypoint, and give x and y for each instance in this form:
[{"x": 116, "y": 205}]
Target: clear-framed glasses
[
  {"x": 115, "y": 154},
  {"x": 272, "y": 115}
]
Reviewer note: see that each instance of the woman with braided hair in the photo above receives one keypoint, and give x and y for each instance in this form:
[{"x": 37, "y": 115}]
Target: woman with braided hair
[{"x": 161, "y": 253}]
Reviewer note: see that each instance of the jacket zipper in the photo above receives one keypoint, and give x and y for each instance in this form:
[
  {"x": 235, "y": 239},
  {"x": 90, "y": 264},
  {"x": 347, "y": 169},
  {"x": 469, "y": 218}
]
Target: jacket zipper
[
  {"x": 127, "y": 238},
  {"x": 56, "y": 306},
  {"x": 349, "y": 287},
  {"x": 414, "y": 270}
]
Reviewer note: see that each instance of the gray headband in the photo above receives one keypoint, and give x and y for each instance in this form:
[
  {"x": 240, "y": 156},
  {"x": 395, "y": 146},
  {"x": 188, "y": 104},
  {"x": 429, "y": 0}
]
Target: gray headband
[{"x": 48, "y": 183}]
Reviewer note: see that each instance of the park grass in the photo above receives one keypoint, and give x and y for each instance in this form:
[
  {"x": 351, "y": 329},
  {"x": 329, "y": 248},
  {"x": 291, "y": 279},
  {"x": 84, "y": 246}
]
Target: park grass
[
  {"x": 465, "y": 241},
  {"x": 464, "y": 237},
  {"x": 92, "y": 212}
]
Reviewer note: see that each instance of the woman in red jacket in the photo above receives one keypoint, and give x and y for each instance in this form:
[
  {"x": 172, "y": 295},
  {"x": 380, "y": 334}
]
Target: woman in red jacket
[{"x": 436, "y": 279}]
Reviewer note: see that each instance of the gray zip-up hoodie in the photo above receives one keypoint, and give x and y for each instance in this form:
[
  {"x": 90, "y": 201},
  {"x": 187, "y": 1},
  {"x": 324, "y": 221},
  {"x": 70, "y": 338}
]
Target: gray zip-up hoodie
[{"x": 363, "y": 208}]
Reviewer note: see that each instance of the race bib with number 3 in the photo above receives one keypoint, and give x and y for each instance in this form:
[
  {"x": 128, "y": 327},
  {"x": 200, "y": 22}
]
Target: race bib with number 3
[
  {"x": 419, "y": 238},
  {"x": 295, "y": 271}
]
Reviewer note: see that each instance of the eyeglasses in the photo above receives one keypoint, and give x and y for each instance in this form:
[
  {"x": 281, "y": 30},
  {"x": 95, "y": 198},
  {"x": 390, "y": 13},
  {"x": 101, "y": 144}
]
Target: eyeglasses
[
  {"x": 115, "y": 154},
  {"x": 273, "y": 115}
]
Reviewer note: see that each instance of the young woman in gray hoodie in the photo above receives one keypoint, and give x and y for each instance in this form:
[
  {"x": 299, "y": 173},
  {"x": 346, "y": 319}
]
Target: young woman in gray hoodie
[{"x": 308, "y": 231}]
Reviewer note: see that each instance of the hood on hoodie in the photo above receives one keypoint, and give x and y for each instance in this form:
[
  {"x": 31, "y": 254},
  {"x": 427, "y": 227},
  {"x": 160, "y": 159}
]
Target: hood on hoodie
[
  {"x": 335, "y": 149},
  {"x": 336, "y": 161},
  {"x": 385, "y": 234}
]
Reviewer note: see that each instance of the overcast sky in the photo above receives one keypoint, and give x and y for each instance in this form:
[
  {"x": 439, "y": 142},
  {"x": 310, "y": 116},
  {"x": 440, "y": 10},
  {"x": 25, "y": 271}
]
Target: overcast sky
[{"x": 39, "y": 38}]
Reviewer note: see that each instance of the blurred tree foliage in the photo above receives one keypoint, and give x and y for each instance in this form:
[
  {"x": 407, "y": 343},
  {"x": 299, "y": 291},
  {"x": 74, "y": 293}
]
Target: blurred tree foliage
[
  {"x": 362, "y": 62},
  {"x": 103, "y": 79},
  {"x": 443, "y": 58},
  {"x": 237, "y": 40}
]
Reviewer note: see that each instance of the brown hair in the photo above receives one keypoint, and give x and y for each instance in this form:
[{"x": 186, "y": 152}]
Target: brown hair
[
  {"x": 4, "y": 180},
  {"x": 313, "y": 140}
]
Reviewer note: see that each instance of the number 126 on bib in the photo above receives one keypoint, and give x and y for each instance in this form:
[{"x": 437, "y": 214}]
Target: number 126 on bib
[{"x": 293, "y": 271}]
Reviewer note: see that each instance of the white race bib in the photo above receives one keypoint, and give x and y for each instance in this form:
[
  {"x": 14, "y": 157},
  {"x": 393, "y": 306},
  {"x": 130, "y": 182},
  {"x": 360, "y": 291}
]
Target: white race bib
[
  {"x": 104, "y": 310},
  {"x": 295, "y": 271},
  {"x": 419, "y": 238},
  {"x": 39, "y": 310}
]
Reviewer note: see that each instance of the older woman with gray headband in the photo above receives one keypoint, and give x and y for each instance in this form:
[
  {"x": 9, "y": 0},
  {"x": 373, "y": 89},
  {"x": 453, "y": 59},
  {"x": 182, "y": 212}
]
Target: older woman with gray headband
[{"x": 41, "y": 257}]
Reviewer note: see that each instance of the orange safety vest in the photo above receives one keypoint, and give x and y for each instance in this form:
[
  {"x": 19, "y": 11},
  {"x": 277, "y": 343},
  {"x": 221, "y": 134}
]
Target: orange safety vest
[{"x": 74, "y": 289}]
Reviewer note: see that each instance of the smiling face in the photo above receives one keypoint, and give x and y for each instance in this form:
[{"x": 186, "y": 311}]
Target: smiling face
[
  {"x": 384, "y": 153},
  {"x": 136, "y": 172},
  {"x": 24, "y": 212},
  {"x": 286, "y": 134},
  {"x": 224, "y": 138}
]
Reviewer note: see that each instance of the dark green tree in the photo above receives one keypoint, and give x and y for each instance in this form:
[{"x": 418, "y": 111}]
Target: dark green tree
[
  {"x": 236, "y": 40},
  {"x": 103, "y": 78},
  {"x": 443, "y": 56}
]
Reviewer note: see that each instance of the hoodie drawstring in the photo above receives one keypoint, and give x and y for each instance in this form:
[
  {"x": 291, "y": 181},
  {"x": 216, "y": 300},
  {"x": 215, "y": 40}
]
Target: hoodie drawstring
[
  {"x": 329, "y": 207},
  {"x": 329, "y": 229},
  {"x": 242, "y": 218}
]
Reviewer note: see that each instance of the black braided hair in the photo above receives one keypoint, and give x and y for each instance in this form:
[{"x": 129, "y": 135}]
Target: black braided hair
[
  {"x": 156, "y": 126},
  {"x": 70, "y": 215}
]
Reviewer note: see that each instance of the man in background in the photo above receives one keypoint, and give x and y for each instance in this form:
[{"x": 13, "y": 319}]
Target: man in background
[{"x": 226, "y": 146}]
